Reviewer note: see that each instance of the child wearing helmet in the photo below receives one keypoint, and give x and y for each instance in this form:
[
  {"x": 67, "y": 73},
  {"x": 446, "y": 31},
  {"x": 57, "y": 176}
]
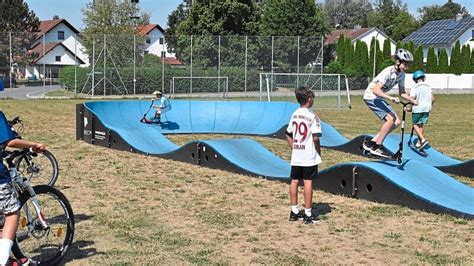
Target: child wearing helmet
[
  {"x": 425, "y": 99},
  {"x": 161, "y": 105},
  {"x": 376, "y": 94}
]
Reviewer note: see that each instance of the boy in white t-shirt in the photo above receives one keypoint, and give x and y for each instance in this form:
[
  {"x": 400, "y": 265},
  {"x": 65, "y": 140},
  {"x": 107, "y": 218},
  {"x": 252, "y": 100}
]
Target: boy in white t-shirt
[
  {"x": 425, "y": 99},
  {"x": 376, "y": 94},
  {"x": 303, "y": 133}
]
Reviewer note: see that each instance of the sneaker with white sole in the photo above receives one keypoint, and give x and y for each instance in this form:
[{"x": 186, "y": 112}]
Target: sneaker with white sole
[
  {"x": 379, "y": 150},
  {"x": 310, "y": 219},
  {"x": 295, "y": 216}
]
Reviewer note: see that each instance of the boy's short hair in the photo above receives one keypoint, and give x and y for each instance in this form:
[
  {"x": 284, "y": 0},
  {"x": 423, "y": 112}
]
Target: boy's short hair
[{"x": 303, "y": 94}]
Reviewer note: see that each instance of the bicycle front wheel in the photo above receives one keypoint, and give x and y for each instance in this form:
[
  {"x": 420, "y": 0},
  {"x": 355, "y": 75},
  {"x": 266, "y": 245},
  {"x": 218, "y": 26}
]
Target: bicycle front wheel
[
  {"x": 40, "y": 168},
  {"x": 44, "y": 245}
]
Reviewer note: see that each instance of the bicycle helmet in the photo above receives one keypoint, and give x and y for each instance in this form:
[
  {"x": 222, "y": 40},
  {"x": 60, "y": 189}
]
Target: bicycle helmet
[
  {"x": 157, "y": 93},
  {"x": 404, "y": 55},
  {"x": 418, "y": 74}
]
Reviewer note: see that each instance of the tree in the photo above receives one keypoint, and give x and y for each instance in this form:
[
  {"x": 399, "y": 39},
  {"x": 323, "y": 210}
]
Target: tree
[
  {"x": 465, "y": 59},
  {"x": 431, "y": 61},
  {"x": 348, "y": 14},
  {"x": 387, "y": 51},
  {"x": 348, "y": 53},
  {"x": 293, "y": 18},
  {"x": 111, "y": 23},
  {"x": 174, "y": 19},
  {"x": 455, "y": 62},
  {"x": 340, "y": 49},
  {"x": 15, "y": 17},
  {"x": 446, "y": 11},
  {"x": 393, "y": 17},
  {"x": 207, "y": 19},
  {"x": 418, "y": 60},
  {"x": 472, "y": 61},
  {"x": 443, "y": 66}
]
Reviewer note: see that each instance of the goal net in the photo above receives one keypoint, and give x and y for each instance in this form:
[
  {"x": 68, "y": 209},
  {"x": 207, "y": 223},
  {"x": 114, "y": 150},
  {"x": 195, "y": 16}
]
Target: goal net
[
  {"x": 200, "y": 86},
  {"x": 331, "y": 90}
]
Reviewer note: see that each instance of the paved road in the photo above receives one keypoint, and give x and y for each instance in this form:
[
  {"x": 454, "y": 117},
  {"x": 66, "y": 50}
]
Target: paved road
[{"x": 26, "y": 92}]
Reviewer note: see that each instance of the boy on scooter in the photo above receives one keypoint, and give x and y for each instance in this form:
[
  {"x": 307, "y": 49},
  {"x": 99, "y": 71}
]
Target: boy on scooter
[
  {"x": 425, "y": 99},
  {"x": 375, "y": 96}
]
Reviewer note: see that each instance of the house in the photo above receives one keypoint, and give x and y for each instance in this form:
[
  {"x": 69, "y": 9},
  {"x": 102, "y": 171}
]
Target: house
[
  {"x": 56, "y": 45},
  {"x": 362, "y": 34},
  {"x": 155, "y": 42},
  {"x": 443, "y": 34}
]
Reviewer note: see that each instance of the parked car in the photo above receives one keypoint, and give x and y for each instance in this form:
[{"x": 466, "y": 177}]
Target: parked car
[{"x": 6, "y": 81}]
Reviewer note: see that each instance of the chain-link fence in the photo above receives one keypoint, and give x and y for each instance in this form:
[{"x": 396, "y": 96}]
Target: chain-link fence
[{"x": 114, "y": 64}]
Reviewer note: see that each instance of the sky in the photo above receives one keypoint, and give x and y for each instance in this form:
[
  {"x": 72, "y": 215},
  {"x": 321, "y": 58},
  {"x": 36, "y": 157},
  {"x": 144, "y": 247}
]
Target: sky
[{"x": 71, "y": 10}]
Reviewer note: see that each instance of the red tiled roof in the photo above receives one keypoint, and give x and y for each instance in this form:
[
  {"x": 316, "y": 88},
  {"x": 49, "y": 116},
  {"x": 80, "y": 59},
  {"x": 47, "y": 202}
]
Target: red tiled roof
[
  {"x": 47, "y": 25},
  {"x": 348, "y": 33},
  {"x": 145, "y": 29},
  {"x": 48, "y": 47},
  {"x": 172, "y": 61}
]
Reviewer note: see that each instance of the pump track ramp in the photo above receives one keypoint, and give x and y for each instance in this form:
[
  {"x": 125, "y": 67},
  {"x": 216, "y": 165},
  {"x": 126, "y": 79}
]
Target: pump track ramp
[{"x": 415, "y": 183}]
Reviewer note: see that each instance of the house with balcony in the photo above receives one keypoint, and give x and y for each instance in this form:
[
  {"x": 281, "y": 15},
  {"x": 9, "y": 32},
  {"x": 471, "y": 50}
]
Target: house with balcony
[{"x": 55, "y": 45}]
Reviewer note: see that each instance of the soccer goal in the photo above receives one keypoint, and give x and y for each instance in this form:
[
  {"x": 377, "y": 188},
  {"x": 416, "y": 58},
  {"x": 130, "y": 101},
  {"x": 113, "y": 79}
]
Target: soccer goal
[
  {"x": 200, "y": 86},
  {"x": 331, "y": 90}
]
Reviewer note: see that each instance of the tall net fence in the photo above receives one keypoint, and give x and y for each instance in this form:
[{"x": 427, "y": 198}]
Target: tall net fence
[{"x": 115, "y": 64}]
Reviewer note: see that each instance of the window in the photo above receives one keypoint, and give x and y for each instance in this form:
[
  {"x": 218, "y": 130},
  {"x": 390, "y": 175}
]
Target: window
[
  {"x": 60, "y": 35},
  {"x": 145, "y": 52},
  {"x": 163, "y": 54},
  {"x": 148, "y": 40},
  {"x": 472, "y": 37},
  {"x": 58, "y": 58},
  {"x": 162, "y": 40}
]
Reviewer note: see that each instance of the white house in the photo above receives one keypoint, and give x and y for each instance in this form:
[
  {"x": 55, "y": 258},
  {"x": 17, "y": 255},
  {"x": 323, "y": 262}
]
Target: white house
[
  {"x": 362, "y": 34},
  {"x": 155, "y": 42},
  {"x": 444, "y": 33},
  {"x": 57, "y": 44}
]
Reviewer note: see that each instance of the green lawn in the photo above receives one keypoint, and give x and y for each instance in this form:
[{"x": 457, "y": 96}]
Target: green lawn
[{"x": 134, "y": 209}]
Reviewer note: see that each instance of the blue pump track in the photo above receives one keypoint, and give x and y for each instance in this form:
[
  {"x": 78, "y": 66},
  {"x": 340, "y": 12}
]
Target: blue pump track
[{"x": 418, "y": 183}]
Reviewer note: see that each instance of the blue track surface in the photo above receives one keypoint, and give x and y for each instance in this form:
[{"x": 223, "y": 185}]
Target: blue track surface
[{"x": 417, "y": 177}]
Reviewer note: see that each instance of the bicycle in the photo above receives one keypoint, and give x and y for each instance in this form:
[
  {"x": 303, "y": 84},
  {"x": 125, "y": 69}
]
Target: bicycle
[
  {"x": 39, "y": 168},
  {"x": 46, "y": 223}
]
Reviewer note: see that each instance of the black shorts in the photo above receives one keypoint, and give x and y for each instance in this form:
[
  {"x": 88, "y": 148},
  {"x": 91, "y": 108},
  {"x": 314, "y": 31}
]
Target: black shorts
[{"x": 304, "y": 172}]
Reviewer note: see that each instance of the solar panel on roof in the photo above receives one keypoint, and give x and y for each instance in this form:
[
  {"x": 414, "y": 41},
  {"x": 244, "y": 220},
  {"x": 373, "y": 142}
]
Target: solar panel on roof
[{"x": 452, "y": 25}]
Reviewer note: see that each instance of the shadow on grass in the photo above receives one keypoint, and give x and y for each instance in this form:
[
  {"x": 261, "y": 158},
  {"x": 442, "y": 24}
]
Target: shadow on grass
[
  {"x": 81, "y": 217},
  {"x": 80, "y": 250},
  {"x": 321, "y": 208}
]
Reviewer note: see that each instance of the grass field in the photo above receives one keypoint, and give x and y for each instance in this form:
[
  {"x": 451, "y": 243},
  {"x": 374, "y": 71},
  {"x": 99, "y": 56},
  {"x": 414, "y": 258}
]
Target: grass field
[{"x": 133, "y": 209}]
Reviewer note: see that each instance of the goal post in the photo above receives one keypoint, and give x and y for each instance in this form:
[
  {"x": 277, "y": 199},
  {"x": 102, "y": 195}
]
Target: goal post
[
  {"x": 331, "y": 90},
  {"x": 200, "y": 85}
]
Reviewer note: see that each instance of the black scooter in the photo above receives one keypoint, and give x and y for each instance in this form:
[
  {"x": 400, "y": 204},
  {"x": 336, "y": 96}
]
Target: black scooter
[{"x": 397, "y": 156}]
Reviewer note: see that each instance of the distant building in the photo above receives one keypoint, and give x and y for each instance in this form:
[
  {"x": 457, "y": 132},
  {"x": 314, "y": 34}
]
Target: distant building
[
  {"x": 443, "y": 34},
  {"x": 155, "y": 41},
  {"x": 338, "y": 2},
  {"x": 362, "y": 34},
  {"x": 56, "y": 45}
]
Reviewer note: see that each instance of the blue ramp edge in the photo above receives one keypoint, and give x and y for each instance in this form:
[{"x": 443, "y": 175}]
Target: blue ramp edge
[{"x": 413, "y": 184}]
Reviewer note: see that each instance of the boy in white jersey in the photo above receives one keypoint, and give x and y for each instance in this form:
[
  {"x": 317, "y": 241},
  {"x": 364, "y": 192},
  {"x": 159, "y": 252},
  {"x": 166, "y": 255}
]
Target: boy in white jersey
[
  {"x": 425, "y": 99},
  {"x": 161, "y": 105},
  {"x": 303, "y": 134},
  {"x": 374, "y": 97}
]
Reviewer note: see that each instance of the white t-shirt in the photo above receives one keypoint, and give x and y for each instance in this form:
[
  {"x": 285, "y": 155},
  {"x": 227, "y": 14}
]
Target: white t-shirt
[
  {"x": 303, "y": 125},
  {"x": 422, "y": 94},
  {"x": 389, "y": 77}
]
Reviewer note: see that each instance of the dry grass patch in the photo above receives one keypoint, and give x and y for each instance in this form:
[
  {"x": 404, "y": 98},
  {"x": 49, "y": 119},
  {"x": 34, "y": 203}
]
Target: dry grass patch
[{"x": 134, "y": 209}]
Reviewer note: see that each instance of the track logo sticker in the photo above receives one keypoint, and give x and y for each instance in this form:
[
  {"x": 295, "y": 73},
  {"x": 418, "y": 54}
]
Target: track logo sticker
[{"x": 85, "y": 122}]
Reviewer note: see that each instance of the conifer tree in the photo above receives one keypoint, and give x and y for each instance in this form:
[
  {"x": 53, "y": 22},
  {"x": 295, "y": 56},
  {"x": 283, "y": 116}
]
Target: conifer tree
[
  {"x": 443, "y": 66},
  {"x": 455, "y": 62},
  {"x": 340, "y": 49},
  {"x": 418, "y": 60},
  {"x": 431, "y": 61},
  {"x": 465, "y": 59}
]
